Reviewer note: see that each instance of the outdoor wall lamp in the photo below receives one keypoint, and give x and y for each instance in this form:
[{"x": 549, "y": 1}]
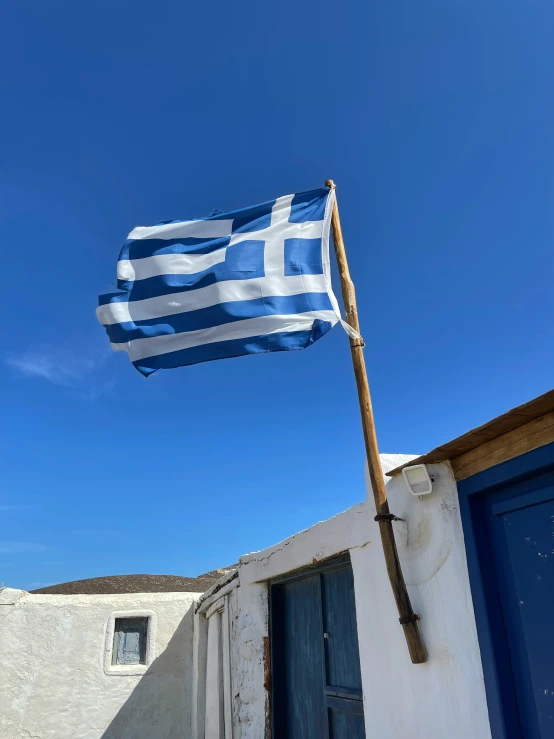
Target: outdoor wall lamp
[{"x": 417, "y": 479}]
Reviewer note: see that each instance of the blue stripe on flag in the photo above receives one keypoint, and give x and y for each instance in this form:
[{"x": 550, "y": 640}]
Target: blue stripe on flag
[
  {"x": 106, "y": 298},
  {"x": 142, "y": 248},
  {"x": 279, "y": 342},
  {"x": 251, "y": 219},
  {"x": 242, "y": 262},
  {"x": 308, "y": 206},
  {"x": 217, "y": 315},
  {"x": 303, "y": 256}
]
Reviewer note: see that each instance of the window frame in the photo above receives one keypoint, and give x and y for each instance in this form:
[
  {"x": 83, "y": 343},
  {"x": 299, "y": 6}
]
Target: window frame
[{"x": 151, "y": 632}]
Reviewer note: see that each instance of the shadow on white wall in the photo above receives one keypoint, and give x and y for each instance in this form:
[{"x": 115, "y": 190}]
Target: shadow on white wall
[{"x": 159, "y": 706}]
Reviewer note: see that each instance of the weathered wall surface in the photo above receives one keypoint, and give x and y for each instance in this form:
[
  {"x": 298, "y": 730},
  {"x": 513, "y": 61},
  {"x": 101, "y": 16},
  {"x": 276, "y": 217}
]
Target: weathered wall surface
[
  {"x": 53, "y": 680},
  {"x": 212, "y": 701},
  {"x": 446, "y": 696},
  {"x": 248, "y": 626}
]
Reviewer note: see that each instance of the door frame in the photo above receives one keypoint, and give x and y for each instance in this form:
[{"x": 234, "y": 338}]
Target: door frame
[
  {"x": 337, "y": 561},
  {"x": 497, "y": 669},
  {"x": 330, "y": 563}
]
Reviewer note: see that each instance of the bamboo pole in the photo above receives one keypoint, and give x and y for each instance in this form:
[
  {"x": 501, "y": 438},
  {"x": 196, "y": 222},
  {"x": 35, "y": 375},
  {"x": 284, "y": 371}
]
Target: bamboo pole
[{"x": 407, "y": 618}]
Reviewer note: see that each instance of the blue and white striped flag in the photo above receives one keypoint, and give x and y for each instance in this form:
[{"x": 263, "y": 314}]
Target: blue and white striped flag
[{"x": 253, "y": 280}]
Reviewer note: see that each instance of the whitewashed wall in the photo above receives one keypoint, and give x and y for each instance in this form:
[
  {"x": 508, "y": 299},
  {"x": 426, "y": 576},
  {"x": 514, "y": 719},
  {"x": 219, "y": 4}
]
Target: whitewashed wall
[
  {"x": 53, "y": 680},
  {"x": 444, "y": 697},
  {"x": 212, "y": 695},
  {"x": 207, "y": 677}
]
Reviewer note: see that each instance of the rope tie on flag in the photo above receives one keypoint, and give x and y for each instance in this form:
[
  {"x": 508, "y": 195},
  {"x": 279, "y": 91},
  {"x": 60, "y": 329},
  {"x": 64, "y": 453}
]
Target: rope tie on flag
[{"x": 352, "y": 333}]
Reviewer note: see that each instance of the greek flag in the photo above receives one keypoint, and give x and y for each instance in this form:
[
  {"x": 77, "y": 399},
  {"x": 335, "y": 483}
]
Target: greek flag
[{"x": 250, "y": 281}]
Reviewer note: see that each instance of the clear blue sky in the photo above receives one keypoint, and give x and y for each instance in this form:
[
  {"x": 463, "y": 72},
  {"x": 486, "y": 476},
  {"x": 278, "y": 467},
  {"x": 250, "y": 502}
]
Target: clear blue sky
[{"x": 436, "y": 121}]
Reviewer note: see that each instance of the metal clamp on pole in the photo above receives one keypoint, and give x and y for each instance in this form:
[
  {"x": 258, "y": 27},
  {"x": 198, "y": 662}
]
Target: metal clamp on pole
[
  {"x": 387, "y": 517},
  {"x": 412, "y": 618}
]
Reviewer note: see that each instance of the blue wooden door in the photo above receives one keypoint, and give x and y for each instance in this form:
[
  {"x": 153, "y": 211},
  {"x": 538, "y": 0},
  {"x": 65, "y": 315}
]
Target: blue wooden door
[
  {"x": 520, "y": 519},
  {"x": 316, "y": 680}
]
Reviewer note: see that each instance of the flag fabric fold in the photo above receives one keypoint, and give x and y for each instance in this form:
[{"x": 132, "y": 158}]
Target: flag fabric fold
[{"x": 250, "y": 281}]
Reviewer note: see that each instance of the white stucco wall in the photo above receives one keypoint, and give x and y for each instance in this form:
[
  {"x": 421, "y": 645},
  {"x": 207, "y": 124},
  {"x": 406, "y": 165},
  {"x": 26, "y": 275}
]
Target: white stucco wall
[
  {"x": 212, "y": 699},
  {"x": 444, "y": 697},
  {"x": 53, "y": 680}
]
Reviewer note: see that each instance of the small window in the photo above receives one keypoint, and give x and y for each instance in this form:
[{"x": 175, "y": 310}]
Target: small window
[{"x": 129, "y": 641}]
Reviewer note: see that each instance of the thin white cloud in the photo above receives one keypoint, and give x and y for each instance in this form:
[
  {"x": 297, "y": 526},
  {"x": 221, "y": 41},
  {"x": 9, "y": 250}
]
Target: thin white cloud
[
  {"x": 58, "y": 365},
  {"x": 95, "y": 391},
  {"x": 22, "y": 547},
  {"x": 72, "y": 368}
]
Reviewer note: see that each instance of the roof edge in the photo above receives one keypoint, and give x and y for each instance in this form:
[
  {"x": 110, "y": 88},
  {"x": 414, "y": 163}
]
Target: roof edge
[{"x": 512, "y": 419}]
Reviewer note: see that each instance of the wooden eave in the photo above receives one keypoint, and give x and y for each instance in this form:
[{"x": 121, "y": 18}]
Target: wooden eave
[{"x": 520, "y": 430}]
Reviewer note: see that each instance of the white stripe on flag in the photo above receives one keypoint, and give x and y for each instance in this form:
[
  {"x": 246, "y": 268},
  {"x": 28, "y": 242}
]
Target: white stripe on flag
[
  {"x": 187, "y": 264},
  {"x": 185, "y": 229},
  {"x": 306, "y": 230},
  {"x": 205, "y": 297},
  {"x": 168, "y": 264},
  {"x": 262, "y": 326},
  {"x": 274, "y": 249}
]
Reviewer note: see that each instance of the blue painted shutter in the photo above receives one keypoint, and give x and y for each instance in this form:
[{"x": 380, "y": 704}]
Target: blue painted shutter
[{"x": 129, "y": 646}]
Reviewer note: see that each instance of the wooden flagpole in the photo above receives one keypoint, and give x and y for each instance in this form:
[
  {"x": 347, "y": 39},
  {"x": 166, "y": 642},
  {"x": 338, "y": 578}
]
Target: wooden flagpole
[{"x": 407, "y": 618}]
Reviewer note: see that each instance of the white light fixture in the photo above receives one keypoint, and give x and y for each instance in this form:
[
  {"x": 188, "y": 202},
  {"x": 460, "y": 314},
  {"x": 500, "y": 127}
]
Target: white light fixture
[{"x": 417, "y": 479}]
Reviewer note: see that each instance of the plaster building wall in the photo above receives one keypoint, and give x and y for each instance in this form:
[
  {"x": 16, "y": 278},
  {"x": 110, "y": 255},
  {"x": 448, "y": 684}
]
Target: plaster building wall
[
  {"x": 207, "y": 675},
  {"x": 445, "y": 696},
  {"x": 212, "y": 698},
  {"x": 56, "y": 678}
]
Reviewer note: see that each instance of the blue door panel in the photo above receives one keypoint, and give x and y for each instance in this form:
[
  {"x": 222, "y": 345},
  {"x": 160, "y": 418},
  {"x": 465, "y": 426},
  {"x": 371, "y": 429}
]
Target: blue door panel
[
  {"x": 341, "y": 632},
  {"x": 346, "y": 722},
  {"x": 522, "y": 538},
  {"x": 315, "y": 664},
  {"x": 508, "y": 519},
  {"x": 298, "y": 701}
]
